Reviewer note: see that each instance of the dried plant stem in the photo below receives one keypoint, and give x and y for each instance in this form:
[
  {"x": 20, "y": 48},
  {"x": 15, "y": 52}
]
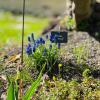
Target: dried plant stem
[
  {"x": 20, "y": 90},
  {"x": 23, "y": 31},
  {"x": 20, "y": 81}
]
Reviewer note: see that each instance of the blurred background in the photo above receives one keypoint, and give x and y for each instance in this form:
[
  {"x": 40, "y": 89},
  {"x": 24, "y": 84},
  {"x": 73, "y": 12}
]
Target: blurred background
[
  {"x": 35, "y": 7},
  {"x": 38, "y": 14}
]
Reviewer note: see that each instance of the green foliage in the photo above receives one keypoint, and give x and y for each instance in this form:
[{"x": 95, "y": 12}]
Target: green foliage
[
  {"x": 50, "y": 57},
  {"x": 70, "y": 24},
  {"x": 73, "y": 90},
  {"x": 81, "y": 54},
  {"x": 10, "y": 92},
  {"x": 86, "y": 73},
  {"x": 33, "y": 87},
  {"x": 58, "y": 89},
  {"x": 26, "y": 76},
  {"x": 42, "y": 51},
  {"x": 16, "y": 90},
  {"x": 53, "y": 90}
]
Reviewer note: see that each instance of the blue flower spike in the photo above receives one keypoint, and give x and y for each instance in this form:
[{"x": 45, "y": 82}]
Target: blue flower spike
[
  {"x": 32, "y": 36},
  {"x": 42, "y": 41},
  {"x": 29, "y": 39},
  {"x": 34, "y": 44},
  {"x": 51, "y": 37},
  {"x": 29, "y": 49},
  {"x": 37, "y": 42}
]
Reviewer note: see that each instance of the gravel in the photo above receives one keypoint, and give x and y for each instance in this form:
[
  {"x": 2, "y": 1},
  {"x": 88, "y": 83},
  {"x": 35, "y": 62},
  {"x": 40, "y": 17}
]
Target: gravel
[{"x": 75, "y": 40}]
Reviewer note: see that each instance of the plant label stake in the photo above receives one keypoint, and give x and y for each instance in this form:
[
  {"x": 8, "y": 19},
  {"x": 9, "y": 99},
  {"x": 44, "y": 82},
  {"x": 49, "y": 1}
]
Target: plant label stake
[{"x": 61, "y": 36}]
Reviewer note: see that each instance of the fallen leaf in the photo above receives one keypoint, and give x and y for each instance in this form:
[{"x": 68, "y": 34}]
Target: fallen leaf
[{"x": 14, "y": 58}]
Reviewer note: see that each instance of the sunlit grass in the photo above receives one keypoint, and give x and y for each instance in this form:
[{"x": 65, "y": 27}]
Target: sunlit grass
[{"x": 11, "y": 27}]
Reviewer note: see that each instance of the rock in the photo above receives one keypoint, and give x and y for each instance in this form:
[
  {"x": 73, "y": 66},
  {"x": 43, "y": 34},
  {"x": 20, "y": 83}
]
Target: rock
[{"x": 75, "y": 40}]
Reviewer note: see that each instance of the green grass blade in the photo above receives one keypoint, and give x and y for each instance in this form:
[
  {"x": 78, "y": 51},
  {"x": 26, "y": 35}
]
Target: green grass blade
[
  {"x": 33, "y": 87},
  {"x": 16, "y": 90},
  {"x": 10, "y": 92}
]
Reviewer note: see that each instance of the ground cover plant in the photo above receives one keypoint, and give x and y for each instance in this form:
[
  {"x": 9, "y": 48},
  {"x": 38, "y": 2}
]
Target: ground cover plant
[{"x": 59, "y": 89}]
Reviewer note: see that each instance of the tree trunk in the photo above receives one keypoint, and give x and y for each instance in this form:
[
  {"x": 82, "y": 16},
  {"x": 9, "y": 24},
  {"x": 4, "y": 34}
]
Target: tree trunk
[{"x": 83, "y": 9}]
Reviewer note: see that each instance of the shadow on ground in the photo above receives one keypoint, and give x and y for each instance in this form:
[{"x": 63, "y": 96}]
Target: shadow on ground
[{"x": 75, "y": 71}]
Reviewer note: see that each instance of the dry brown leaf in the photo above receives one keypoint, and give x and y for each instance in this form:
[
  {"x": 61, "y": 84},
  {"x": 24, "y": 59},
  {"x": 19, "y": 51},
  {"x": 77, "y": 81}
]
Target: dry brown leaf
[{"x": 14, "y": 58}]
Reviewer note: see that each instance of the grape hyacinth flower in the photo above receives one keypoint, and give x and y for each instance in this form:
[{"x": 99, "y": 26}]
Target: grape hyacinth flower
[
  {"x": 51, "y": 37},
  {"x": 37, "y": 42},
  {"x": 32, "y": 35},
  {"x": 29, "y": 49},
  {"x": 29, "y": 39},
  {"x": 34, "y": 44},
  {"x": 42, "y": 41}
]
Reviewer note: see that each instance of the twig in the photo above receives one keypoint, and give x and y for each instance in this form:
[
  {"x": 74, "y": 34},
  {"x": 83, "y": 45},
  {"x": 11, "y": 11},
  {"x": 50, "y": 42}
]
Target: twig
[
  {"x": 23, "y": 31},
  {"x": 20, "y": 68}
]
